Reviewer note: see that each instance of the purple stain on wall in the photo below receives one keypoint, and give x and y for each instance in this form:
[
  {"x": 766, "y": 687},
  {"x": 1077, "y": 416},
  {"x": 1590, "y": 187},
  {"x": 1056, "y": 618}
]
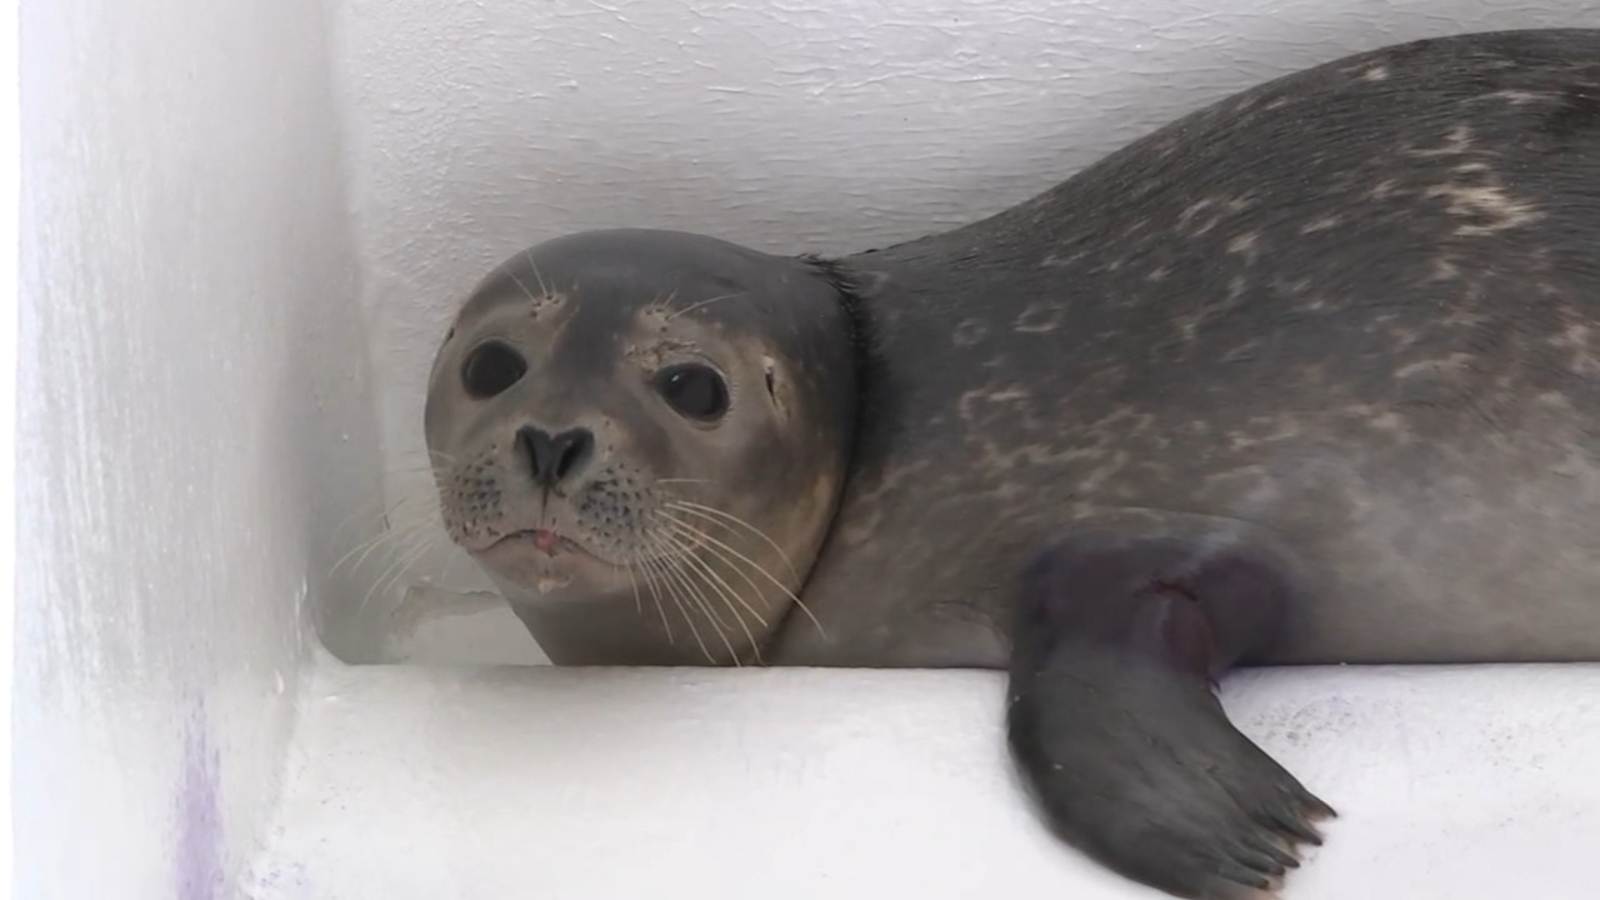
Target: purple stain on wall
[{"x": 199, "y": 813}]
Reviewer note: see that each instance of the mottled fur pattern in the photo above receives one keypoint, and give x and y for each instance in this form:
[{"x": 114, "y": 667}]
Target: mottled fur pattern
[{"x": 1310, "y": 375}]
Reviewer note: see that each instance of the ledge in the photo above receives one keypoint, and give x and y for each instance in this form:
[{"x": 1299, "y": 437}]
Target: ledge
[{"x": 411, "y": 783}]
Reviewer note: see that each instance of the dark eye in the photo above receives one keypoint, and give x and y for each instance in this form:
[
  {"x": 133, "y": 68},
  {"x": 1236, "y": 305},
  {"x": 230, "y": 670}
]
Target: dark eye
[
  {"x": 695, "y": 391},
  {"x": 491, "y": 368}
]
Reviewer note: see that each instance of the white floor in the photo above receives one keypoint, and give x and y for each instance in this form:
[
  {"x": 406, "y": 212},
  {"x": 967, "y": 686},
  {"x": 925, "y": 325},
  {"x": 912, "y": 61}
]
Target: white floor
[{"x": 535, "y": 782}]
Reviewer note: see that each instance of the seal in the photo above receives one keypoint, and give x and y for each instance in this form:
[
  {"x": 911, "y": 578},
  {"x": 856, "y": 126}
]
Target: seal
[{"x": 1311, "y": 375}]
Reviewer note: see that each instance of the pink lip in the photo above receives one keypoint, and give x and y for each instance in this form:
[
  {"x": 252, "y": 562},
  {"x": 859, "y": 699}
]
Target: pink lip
[
  {"x": 548, "y": 542},
  {"x": 547, "y": 562}
]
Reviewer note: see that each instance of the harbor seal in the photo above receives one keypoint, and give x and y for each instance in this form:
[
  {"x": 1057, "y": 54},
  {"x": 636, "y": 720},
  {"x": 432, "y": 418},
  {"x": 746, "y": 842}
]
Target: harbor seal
[{"x": 1311, "y": 375}]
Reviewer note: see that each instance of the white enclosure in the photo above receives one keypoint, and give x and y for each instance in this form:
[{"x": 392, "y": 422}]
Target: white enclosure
[{"x": 243, "y": 225}]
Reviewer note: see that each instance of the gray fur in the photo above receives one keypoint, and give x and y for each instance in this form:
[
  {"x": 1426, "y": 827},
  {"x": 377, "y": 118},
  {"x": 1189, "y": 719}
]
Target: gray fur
[
  {"x": 1361, "y": 315},
  {"x": 1336, "y": 339}
]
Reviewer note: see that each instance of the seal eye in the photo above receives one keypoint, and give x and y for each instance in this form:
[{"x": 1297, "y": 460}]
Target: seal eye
[
  {"x": 491, "y": 368},
  {"x": 695, "y": 391}
]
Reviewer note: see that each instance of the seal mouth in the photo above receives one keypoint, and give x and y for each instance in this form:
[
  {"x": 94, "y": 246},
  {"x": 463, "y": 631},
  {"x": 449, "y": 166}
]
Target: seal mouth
[
  {"x": 547, "y": 562},
  {"x": 542, "y": 540}
]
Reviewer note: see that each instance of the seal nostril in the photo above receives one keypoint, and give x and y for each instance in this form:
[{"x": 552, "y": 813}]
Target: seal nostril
[
  {"x": 572, "y": 451},
  {"x": 552, "y": 459}
]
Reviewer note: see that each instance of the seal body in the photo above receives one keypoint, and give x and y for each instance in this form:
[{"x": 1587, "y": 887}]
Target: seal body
[
  {"x": 1354, "y": 312},
  {"x": 1309, "y": 376}
]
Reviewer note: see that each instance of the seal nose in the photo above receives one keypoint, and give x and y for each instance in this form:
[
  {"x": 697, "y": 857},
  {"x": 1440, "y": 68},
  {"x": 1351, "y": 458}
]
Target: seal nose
[{"x": 555, "y": 457}]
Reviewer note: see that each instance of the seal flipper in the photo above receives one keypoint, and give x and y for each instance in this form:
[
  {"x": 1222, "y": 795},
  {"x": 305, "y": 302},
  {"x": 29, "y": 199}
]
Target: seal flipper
[{"x": 1115, "y": 727}]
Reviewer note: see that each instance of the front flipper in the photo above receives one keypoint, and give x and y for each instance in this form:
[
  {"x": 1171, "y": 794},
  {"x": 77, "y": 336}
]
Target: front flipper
[{"x": 1114, "y": 725}]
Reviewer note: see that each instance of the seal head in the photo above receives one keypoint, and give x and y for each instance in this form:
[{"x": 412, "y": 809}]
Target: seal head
[{"x": 641, "y": 436}]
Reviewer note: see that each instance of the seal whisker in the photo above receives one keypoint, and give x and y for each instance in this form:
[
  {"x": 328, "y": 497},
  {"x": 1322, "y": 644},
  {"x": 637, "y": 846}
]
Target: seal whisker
[
  {"x": 677, "y": 600},
  {"x": 674, "y": 556},
  {"x": 663, "y": 589},
  {"x": 412, "y": 551},
  {"x": 689, "y": 531},
  {"x": 654, "y": 594},
  {"x": 376, "y": 510},
  {"x": 713, "y": 542},
  {"x": 438, "y": 462},
  {"x": 383, "y": 513},
  {"x": 433, "y": 458},
  {"x": 674, "y": 566},
  {"x": 364, "y": 547},
  {"x": 408, "y": 499},
  {"x": 399, "y": 510},
  {"x": 420, "y": 550},
  {"x": 707, "y": 512},
  {"x": 673, "y": 562},
  {"x": 638, "y": 602},
  {"x": 416, "y": 547},
  {"x": 724, "y": 592},
  {"x": 694, "y": 306},
  {"x": 421, "y": 468},
  {"x": 524, "y": 287},
  {"x": 661, "y": 301},
  {"x": 729, "y": 595},
  {"x": 699, "y": 601},
  {"x": 398, "y": 518},
  {"x": 544, "y": 287},
  {"x": 391, "y": 533}
]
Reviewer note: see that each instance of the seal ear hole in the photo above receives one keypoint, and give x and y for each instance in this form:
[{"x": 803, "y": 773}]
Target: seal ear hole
[
  {"x": 775, "y": 389},
  {"x": 491, "y": 368},
  {"x": 694, "y": 391}
]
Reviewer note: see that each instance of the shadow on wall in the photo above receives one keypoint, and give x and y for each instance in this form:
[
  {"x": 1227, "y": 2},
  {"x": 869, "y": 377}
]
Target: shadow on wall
[{"x": 825, "y": 129}]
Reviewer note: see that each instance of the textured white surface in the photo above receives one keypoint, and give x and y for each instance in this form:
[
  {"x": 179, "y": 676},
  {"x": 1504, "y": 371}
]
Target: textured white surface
[
  {"x": 475, "y": 128},
  {"x": 499, "y": 784},
  {"x": 195, "y": 422},
  {"x": 9, "y": 217}
]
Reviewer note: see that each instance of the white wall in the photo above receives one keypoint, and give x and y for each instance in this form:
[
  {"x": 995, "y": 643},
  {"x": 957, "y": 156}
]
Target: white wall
[
  {"x": 477, "y": 127},
  {"x": 195, "y": 420},
  {"x": 9, "y": 178}
]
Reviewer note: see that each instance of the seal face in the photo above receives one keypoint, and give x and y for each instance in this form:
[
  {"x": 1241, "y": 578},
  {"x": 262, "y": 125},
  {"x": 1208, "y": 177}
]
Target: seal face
[
  {"x": 1311, "y": 375},
  {"x": 612, "y": 418}
]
